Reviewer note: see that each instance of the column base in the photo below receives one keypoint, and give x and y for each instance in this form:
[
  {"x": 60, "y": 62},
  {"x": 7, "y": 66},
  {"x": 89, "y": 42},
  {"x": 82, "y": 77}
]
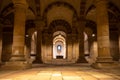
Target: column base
[
  {"x": 17, "y": 58},
  {"x": 82, "y": 60},
  {"x": 16, "y": 65},
  {"x": 104, "y": 59},
  {"x": 105, "y": 65},
  {"x": 102, "y": 63}
]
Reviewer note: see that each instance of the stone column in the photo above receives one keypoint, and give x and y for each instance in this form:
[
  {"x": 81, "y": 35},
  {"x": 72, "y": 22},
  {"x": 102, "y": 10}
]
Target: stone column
[
  {"x": 75, "y": 48},
  {"x": 119, "y": 40},
  {"x": 102, "y": 34},
  {"x": 81, "y": 26},
  {"x": 48, "y": 48},
  {"x": 18, "y": 60},
  {"x": 19, "y": 30},
  {"x": 39, "y": 26},
  {"x": 81, "y": 49},
  {"x": 1, "y": 42},
  {"x": 69, "y": 52}
]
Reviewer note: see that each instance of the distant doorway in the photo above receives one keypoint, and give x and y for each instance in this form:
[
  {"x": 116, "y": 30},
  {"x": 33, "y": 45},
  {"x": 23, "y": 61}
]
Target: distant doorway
[{"x": 59, "y": 45}]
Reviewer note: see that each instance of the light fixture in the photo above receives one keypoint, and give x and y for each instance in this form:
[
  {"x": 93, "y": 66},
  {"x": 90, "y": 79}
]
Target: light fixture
[
  {"x": 93, "y": 35},
  {"x": 27, "y": 35}
]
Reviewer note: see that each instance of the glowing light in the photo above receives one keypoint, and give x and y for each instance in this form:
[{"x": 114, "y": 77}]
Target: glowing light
[
  {"x": 27, "y": 35},
  {"x": 59, "y": 47},
  {"x": 56, "y": 74},
  {"x": 93, "y": 35}
]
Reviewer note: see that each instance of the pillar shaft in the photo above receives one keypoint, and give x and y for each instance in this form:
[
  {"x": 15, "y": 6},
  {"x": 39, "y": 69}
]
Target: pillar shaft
[
  {"x": 103, "y": 31},
  {"x": 119, "y": 40},
  {"x": 39, "y": 25},
  {"x": 81, "y": 49},
  {"x": 19, "y": 29},
  {"x": 81, "y": 26},
  {"x": 39, "y": 47},
  {"x": 18, "y": 60},
  {"x": 0, "y": 42}
]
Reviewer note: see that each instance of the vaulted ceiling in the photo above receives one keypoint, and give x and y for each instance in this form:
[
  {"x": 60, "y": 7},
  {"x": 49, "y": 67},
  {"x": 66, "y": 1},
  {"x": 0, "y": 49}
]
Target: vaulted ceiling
[{"x": 67, "y": 10}]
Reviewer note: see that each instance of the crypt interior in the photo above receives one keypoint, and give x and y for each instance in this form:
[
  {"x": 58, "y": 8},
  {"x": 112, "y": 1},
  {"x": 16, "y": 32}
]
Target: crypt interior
[
  {"x": 59, "y": 39},
  {"x": 59, "y": 32}
]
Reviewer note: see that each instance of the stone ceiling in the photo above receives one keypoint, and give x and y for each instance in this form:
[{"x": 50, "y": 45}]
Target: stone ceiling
[
  {"x": 44, "y": 3},
  {"x": 39, "y": 7}
]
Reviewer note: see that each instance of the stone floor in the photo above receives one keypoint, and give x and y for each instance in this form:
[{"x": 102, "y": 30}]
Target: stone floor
[{"x": 55, "y": 72}]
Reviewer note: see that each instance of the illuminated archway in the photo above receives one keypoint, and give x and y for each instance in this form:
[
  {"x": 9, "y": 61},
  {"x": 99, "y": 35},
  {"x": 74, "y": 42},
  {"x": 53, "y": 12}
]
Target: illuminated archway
[{"x": 59, "y": 45}]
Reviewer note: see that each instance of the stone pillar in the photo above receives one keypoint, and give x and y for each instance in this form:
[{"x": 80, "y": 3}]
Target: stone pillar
[
  {"x": 119, "y": 40},
  {"x": 81, "y": 26},
  {"x": 39, "y": 26},
  {"x": 1, "y": 42},
  {"x": 69, "y": 52},
  {"x": 19, "y": 30},
  {"x": 48, "y": 48},
  {"x": 81, "y": 49},
  {"x": 39, "y": 44},
  {"x": 75, "y": 48},
  {"x": 102, "y": 34},
  {"x": 18, "y": 60}
]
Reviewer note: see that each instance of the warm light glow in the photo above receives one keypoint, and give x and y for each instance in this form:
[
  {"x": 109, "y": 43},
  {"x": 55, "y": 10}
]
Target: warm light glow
[
  {"x": 6, "y": 79},
  {"x": 35, "y": 32},
  {"x": 17, "y": 52},
  {"x": 85, "y": 36},
  {"x": 93, "y": 35},
  {"x": 56, "y": 74},
  {"x": 59, "y": 46},
  {"x": 27, "y": 35}
]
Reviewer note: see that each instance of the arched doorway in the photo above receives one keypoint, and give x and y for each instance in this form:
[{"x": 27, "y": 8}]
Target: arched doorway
[{"x": 59, "y": 45}]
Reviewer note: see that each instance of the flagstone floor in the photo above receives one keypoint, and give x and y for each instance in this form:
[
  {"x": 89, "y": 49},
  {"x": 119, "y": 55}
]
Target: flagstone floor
[{"x": 55, "y": 72}]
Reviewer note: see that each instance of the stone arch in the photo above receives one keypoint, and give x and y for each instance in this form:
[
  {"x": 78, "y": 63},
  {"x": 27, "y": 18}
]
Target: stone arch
[
  {"x": 7, "y": 10},
  {"x": 59, "y": 32},
  {"x": 113, "y": 9},
  {"x": 59, "y": 45},
  {"x": 58, "y": 3},
  {"x": 30, "y": 27},
  {"x": 10, "y": 9},
  {"x": 60, "y": 25},
  {"x": 92, "y": 25},
  {"x": 90, "y": 8}
]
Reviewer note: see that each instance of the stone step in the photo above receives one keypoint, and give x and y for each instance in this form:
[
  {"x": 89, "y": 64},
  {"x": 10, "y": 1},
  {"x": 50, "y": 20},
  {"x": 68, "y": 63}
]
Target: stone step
[{"x": 61, "y": 62}]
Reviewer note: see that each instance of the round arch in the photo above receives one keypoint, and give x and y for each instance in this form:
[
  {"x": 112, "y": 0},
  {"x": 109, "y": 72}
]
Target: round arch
[
  {"x": 59, "y": 3},
  {"x": 60, "y": 25},
  {"x": 59, "y": 45}
]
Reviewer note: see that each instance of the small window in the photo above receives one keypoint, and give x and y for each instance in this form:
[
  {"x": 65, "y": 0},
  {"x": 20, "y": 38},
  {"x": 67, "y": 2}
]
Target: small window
[{"x": 59, "y": 48}]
